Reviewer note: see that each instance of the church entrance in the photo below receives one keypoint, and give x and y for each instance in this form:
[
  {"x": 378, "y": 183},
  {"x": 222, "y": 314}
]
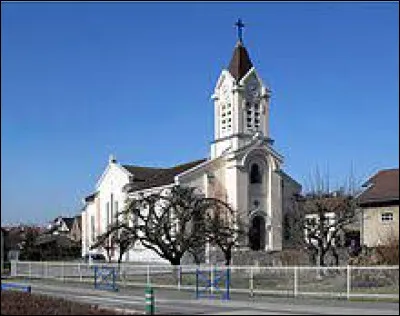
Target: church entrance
[{"x": 257, "y": 233}]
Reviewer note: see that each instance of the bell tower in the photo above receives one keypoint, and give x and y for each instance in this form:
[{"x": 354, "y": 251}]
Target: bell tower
[{"x": 241, "y": 102}]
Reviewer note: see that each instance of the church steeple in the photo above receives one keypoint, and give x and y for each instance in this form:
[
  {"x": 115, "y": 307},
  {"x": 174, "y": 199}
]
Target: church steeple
[
  {"x": 240, "y": 63},
  {"x": 241, "y": 102}
]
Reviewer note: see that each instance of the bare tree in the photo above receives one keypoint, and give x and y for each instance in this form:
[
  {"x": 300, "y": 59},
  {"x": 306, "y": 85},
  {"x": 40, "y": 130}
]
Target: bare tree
[
  {"x": 124, "y": 240},
  {"x": 171, "y": 222},
  {"x": 323, "y": 215},
  {"x": 117, "y": 236},
  {"x": 223, "y": 228},
  {"x": 105, "y": 241}
]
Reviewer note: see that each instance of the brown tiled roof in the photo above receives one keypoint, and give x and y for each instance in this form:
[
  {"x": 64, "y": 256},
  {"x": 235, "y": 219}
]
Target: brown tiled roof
[
  {"x": 382, "y": 187},
  {"x": 148, "y": 177},
  {"x": 240, "y": 63}
]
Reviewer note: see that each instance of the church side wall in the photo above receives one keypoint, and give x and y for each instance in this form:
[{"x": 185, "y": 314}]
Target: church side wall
[
  {"x": 290, "y": 233},
  {"x": 276, "y": 212},
  {"x": 111, "y": 184}
]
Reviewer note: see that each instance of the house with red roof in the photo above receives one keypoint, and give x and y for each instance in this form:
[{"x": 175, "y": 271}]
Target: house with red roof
[{"x": 379, "y": 203}]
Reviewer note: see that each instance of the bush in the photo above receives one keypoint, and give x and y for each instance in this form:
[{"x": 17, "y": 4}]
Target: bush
[
  {"x": 388, "y": 254},
  {"x": 19, "y": 303}
]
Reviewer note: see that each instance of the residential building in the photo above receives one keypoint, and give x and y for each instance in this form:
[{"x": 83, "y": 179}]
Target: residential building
[{"x": 379, "y": 203}]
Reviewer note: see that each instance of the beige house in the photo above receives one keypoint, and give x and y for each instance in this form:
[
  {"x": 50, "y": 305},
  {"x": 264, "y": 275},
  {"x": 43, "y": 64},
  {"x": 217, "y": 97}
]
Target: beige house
[{"x": 380, "y": 208}]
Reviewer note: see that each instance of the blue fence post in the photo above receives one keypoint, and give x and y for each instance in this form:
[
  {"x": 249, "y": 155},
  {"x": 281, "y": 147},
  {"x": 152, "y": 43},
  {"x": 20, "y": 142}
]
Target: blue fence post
[
  {"x": 197, "y": 282},
  {"x": 227, "y": 282},
  {"x": 95, "y": 277},
  {"x": 114, "y": 287}
]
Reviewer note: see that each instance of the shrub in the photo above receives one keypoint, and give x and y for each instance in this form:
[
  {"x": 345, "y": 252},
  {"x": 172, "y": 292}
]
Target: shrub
[
  {"x": 388, "y": 253},
  {"x": 19, "y": 303}
]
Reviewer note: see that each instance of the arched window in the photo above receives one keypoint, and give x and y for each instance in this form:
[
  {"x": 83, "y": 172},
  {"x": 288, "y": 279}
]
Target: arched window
[
  {"x": 257, "y": 233},
  {"x": 255, "y": 174}
]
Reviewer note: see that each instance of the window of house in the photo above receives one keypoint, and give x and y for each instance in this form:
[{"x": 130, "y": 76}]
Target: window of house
[
  {"x": 311, "y": 221},
  {"x": 93, "y": 232},
  {"x": 111, "y": 208},
  {"x": 387, "y": 217},
  {"x": 255, "y": 174},
  {"x": 116, "y": 210},
  {"x": 108, "y": 212}
]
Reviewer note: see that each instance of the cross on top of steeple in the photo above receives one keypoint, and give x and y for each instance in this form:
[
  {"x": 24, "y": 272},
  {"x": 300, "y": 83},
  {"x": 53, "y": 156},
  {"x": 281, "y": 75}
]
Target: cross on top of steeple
[
  {"x": 240, "y": 63},
  {"x": 239, "y": 24}
]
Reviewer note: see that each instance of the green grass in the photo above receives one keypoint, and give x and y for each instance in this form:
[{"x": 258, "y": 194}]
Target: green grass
[{"x": 374, "y": 299}]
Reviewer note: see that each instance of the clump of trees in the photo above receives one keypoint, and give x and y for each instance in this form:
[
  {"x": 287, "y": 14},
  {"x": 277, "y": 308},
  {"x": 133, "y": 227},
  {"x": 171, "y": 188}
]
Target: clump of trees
[
  {"x": 320, "y": 218},
  {"x": 173, "y": 222},
  {"x": 388, "y": 252}
]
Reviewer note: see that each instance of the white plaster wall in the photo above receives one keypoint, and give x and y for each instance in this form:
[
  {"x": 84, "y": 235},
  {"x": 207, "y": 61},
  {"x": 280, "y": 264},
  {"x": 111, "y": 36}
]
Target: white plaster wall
[
  {"x": 375, "y": 231},
  {"x": 112, "y": 183},
  {"x": 84, "y": 241},
  {"x": 90, "y": 210}
]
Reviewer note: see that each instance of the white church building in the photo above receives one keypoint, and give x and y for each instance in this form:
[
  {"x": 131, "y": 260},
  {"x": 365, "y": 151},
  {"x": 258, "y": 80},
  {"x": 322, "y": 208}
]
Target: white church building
[{"x": 243, "y": 168}]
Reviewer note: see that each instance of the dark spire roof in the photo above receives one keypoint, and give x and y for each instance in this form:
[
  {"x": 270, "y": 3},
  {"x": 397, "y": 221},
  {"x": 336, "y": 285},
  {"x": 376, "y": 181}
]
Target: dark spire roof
[{"x": 240, "y": 63}]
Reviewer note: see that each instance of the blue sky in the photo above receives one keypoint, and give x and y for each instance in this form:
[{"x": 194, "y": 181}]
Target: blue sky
[{"x": 83, "y": 80}]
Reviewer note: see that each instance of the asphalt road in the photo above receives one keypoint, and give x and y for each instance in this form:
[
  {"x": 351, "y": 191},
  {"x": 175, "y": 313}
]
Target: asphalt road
[{"x": 183, "y": 302}]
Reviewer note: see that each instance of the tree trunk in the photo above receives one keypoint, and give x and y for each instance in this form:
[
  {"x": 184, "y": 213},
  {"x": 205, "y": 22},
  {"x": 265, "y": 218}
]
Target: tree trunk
[
  {"x": 175, "y": 272},
  {"x": 320, "y": 263},
  {"x": 121, "y": 253},
  {"x": 336, "y": 256},
  {"x": 228, "y": 256}
]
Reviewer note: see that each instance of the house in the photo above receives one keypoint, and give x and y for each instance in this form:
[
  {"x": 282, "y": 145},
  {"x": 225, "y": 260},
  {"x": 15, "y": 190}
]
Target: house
[
  {"x": 243, "y": 168},
  {"x": 76, "y": 229},
  {"x": 2, "y": 249},
  {"x": 379, "y": 203},
  {"x": 69, "y": 226}
]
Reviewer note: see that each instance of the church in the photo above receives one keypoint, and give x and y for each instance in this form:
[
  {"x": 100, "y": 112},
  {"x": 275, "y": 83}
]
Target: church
[{"x": 242, "y": 169}]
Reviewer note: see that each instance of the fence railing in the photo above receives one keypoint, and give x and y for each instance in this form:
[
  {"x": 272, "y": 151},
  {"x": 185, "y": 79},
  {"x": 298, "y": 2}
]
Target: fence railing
[{"x": 342, "y": 281}]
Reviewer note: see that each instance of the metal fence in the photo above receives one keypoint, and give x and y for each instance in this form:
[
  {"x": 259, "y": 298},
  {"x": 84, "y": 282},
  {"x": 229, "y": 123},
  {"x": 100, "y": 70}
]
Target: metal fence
[{"x": 344, "y": 281}]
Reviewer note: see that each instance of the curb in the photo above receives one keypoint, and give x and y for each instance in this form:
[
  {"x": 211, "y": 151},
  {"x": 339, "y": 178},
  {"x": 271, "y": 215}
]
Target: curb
[{"x": 121, "y": 311}]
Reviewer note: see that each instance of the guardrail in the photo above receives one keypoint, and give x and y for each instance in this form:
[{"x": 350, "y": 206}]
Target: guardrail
[
  {"x": 344, "y": 281},
  {"x": 14, "y": 286}
]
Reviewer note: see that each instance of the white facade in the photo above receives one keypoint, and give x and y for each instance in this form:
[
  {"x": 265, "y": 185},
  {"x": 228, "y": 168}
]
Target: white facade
[
  {"x": 244, "y": 170},
  {"x": 100, "y": 210}
]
